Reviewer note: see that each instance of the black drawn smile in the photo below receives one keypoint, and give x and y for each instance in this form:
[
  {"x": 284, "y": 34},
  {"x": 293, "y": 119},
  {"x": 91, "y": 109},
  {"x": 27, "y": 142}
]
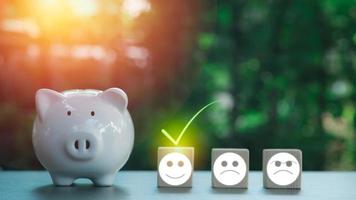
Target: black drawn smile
[{"x": 175, "y": 177}]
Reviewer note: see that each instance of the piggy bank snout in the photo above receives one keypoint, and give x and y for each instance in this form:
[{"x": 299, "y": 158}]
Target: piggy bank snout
[{"x": 82, "y": 146}]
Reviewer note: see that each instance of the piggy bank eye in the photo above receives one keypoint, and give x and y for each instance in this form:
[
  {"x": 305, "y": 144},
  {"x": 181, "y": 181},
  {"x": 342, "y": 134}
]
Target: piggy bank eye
[
  {"x": 69, "y": 113},
  {"x": 92, "y": 113}
]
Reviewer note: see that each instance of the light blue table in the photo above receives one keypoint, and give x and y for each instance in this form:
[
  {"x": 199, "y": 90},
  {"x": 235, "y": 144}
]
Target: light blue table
[{"x": 23, "y": 185}]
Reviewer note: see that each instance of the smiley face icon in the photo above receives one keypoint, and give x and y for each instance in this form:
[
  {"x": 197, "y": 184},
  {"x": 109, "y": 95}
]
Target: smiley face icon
[
  {"x": 175, "y": 169},
  {"x": 283, "y": 169}
]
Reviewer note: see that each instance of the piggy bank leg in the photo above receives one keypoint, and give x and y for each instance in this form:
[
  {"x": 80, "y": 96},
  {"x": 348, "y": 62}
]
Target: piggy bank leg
[
  {"x": 104, "y": 180},
  {"x": 60, "y": 180}
]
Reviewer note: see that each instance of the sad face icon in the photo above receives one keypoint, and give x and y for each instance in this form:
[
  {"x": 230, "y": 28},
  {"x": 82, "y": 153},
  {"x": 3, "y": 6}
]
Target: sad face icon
[
  {"x": 283, "y": 169},
  {"x": 229, "y": 169}
]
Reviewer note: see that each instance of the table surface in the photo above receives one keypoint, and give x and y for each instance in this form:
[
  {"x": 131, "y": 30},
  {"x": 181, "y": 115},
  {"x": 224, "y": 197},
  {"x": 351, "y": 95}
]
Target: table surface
[{"x": 143, "y": 185}]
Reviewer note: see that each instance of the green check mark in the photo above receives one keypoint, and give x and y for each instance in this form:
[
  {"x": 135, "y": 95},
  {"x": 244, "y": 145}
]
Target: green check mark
[{"x": 176, "y": 142}]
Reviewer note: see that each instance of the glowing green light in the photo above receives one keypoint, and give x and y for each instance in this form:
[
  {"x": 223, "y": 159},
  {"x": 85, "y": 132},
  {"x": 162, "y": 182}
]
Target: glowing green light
[{"x": 176, "y": 142}]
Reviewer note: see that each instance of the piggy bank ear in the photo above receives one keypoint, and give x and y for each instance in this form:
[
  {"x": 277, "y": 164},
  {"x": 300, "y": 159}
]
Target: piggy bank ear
[
  {"x": 116, "y": 97},
  {"x": 44, "y": 99}
]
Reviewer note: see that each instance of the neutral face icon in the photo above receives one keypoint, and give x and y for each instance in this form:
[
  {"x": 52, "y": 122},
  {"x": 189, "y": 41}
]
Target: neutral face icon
[
  {"x": 175, "y": 169},
  {"x": 229, "y": 168},
  {"x": 283, "y": 169}
]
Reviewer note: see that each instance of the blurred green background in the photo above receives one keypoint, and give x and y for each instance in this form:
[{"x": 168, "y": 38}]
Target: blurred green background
[{"x": 283, "y": 71}]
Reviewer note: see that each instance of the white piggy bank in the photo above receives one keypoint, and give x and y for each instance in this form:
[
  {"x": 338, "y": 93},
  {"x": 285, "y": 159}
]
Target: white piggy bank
[{"x": 82, "y": 134}]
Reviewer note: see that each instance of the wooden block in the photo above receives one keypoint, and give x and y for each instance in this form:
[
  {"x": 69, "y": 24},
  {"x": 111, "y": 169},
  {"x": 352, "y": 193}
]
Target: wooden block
[
  {"x": 282, "y": 168},
  {"x": 175, "y": 166},
  {"x": 229, "y": 168}
]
